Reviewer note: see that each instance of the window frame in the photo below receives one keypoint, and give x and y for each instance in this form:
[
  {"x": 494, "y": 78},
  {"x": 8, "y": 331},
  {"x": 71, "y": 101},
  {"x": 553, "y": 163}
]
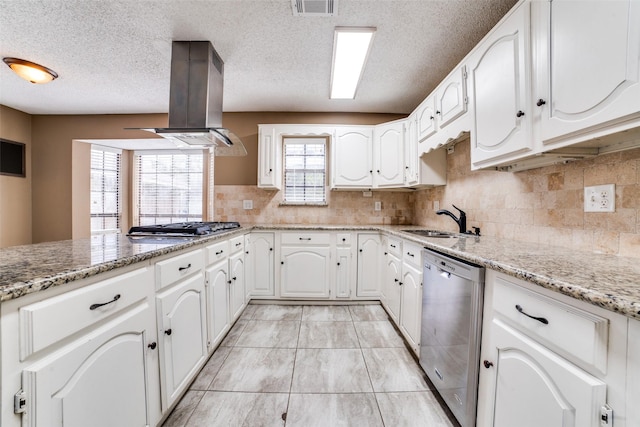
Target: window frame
[
  {"x": 117, "y": 215},
  {"x": 205, "y": 170},
  {"x": 300, "y": 140}
]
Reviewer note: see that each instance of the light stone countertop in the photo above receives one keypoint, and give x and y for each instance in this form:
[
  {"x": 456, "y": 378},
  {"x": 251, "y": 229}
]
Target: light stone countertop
[{"x": 608, "y": 281}]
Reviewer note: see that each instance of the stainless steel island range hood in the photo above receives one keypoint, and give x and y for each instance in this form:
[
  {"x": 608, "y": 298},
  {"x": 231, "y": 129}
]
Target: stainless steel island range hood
[{"x": 195, "y": 100}]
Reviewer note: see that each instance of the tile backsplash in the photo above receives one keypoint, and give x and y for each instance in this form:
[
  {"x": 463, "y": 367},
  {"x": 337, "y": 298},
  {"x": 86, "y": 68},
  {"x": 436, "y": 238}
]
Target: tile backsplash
[{"x": 541, "y": 205}]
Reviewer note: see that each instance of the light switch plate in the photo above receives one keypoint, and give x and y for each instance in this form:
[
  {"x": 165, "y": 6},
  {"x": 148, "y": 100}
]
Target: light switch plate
[
  {"x": 377, "y": 206},
  {"x": 436, "y": 205},
  {"x": 600, "y": 198},
  {"x": 247, "y": 204}
]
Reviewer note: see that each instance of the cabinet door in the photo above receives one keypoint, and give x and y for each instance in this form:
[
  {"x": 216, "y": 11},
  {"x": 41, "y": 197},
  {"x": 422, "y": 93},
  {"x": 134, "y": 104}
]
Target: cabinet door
[
  {"x": 217, "y": 302},
  {"x": 426, "y": 117},
  {"x": 389, "y": 154},
  {"x": 369, "y": 265},
  {"x": 588, "y": 68},
  {"x": 268, "y": 159},
  {"x": 183, "y": 336},
  {"x": 259, "y": 265},
  {"x": 535, "y": 387},
  {"x": 391, "y": 290},
  {"x": 236, "y": 285},
  {"x": 305, "y": 272},
  {"x": 352, "y": 158},
  {"x": 99, "y": 380},
  {"x": 451, "y": 97},
  {"x": 411, "y": 305},
  {"x": 500, "y": 85},
  {"x": 411, "y": 176},
  {"x": 344, "y": 273}
]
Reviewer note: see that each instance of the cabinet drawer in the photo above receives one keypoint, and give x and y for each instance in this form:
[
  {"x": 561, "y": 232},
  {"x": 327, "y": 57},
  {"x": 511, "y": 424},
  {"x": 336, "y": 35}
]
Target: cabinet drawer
[
  {"x": 217, "y": 252},
  {"x": 394, "y": 246},
  {"x": 306, "y": 239},
  {"x": 343, "y": 239},
  {"x": 178, "y": 267},
  {"x": 47, "y": 322},
  {"x": 236, "y": 244},
  {"x": 412, "y": 255},
  {"x": 576, "y": 333}
]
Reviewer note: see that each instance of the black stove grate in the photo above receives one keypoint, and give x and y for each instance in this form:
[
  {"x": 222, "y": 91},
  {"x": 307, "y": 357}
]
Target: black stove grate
[{"x": 183, "y": 228}]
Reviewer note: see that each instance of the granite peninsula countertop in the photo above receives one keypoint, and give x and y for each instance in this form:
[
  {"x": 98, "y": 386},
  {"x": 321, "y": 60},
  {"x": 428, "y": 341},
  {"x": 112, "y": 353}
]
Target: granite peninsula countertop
[{"x": 608, "y": 281}]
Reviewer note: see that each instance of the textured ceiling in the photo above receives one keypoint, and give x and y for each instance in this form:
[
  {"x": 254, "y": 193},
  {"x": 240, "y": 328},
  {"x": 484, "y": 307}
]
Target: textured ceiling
[{"x": 113, "y": 56}]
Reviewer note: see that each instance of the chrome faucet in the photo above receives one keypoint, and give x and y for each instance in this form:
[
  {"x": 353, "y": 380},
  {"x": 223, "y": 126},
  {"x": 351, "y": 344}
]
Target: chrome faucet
[{"x": 462, "y": 221}]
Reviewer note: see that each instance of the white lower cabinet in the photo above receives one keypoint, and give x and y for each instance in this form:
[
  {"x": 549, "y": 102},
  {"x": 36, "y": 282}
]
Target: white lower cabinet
[
  {"x": 305, "y": 272},
  {"x": 99, "y": 380},
  {"x": 345, "y": 276},
  {"x": 411, "y": 296},
  {"x": 182, "y": 335},
  {"x": 217, "y": 302},
  {"x": 369, "y": 265},
  {"x": 259, "y": 265},
  {"x": 237, "y": 301},
  {"x": 534, "y": 387},
  {"x": 391, "y": 288},
  {"x": 549, "y": 360}
]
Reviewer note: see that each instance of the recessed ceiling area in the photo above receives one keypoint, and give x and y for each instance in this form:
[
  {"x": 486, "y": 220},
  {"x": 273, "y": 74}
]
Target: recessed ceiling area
[{"x": 113, "y": 56}]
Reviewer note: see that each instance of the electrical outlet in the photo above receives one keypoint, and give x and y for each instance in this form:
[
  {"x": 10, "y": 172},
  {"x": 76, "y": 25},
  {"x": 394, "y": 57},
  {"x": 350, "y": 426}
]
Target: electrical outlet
[
  {"x": 436, "y": 205},
  {"x": 600, "y": 198},
  {"x": 247, "y": 204},
  {"x": 377, "y": 206}
]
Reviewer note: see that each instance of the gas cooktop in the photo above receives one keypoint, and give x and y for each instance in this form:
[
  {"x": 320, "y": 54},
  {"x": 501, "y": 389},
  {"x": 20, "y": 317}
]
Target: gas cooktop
[{"x": 182, "y": 229}]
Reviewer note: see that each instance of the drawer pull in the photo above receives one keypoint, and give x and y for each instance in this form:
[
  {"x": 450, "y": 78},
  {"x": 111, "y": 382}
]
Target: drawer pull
[
  {"x": 305, "y": 238},
  {"x": 393, "y": 246},
  {"x": 219, "y": 252},
  {"x": 410, "y": 254},
  {"x": 238, "y": 244},
  {"x": 152, "y": 346},
  {"x": 185, "y": 268},
  {"x": 94, "y": 306},
  {"x": 539, "y": 319}
]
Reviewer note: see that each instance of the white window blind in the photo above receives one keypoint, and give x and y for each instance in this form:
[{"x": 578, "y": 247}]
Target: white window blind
[
  {"x": 304, "y": 170},
  {"x": 169, "y": 188},
  {"x": 105, "y": 190}
]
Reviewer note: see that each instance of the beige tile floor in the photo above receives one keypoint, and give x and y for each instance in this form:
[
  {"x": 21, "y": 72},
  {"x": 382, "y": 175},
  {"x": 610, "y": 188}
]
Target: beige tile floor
[{"x": 304, "y": 366}]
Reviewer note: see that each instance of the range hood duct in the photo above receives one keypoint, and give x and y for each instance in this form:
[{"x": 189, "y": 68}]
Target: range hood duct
[{"x": 195, "y": 100}]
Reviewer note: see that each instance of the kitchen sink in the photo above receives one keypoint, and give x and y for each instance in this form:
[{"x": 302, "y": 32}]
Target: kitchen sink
[{"x": 432, "y": 233}]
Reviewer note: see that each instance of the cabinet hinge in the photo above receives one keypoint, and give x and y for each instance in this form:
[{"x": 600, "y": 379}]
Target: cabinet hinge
[
  {"x": 20, "y": 402},
  {"x": 464, "y": 74},
  {"x": 606, "y": 415},
  {"x": 466, "y": 99}
]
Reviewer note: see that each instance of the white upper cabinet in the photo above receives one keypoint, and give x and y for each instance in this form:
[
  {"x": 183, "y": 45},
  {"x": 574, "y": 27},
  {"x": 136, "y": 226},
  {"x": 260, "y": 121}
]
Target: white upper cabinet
[
  {"x": 352, "y": 157},
  {"x": 587, "y": 68},
  {"x": 442, "y": 109},
  {"x": 426, "y": 117},
  {"x": 451, "y": 97},
  {"x": 500, "y": 88},
  {"x": 389, "y": 154},
  {"x": 411, "y": 167},
  {"x": 269, "y": 158}
]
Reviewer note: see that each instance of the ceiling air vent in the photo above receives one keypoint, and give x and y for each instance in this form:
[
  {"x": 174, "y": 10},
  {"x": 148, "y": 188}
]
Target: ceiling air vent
[{"x": 314, "y": 7}]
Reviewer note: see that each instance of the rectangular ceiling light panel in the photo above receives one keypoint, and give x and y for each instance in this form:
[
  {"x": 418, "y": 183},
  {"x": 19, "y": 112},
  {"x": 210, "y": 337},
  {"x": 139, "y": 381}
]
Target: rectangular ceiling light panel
[
  {"x": 351, "y": 46},
  {"x": 314, "y": 7}
]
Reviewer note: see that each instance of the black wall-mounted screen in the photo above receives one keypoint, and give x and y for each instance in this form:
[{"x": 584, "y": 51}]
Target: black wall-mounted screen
[{"x": 12, "y": 156}]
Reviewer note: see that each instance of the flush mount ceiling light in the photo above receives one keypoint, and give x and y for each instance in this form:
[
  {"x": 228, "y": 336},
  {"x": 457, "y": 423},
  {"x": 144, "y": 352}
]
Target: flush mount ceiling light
[
  {"x": 31, "y": 71},
  {"x": 351, "y": 47}
]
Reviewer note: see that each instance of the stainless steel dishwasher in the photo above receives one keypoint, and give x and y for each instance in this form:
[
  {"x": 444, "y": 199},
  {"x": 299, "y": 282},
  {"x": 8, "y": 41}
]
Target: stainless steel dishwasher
[{"x": 450, "y": 334}]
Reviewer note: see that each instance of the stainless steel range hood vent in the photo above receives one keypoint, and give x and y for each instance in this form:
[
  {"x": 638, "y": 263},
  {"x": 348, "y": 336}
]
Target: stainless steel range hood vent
[{"x": 195, "y": 100}]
